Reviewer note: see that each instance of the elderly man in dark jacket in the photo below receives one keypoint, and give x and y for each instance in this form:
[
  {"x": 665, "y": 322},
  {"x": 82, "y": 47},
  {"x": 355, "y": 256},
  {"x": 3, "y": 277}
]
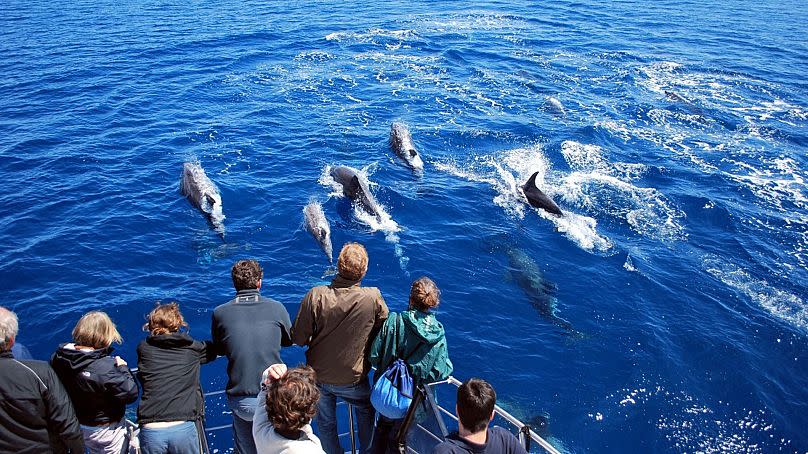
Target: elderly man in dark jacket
[{"x": 35, "y": 412}]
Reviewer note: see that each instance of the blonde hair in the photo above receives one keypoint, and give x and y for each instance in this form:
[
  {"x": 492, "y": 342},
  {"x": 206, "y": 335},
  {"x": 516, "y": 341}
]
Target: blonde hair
[
  {"x": 424, "y": 294},
  {"x": 165, "y": 319},
  {"x": 95, "y": 329},
  {"x": 353, "y": 261}
]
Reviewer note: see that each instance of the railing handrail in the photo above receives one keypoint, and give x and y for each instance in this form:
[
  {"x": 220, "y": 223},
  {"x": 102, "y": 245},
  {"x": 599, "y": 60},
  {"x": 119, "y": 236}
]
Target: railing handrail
[{"x": 505, "y": 415}]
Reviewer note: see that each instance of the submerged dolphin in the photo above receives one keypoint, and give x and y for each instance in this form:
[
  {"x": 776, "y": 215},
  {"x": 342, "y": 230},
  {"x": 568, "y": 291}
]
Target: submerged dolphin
[
  {"x": 317, "y": 225},
  {"x": 529, "y": 277},
  {"x": 539, "y": 199},
  {"x": 401, "y": 143},
  {"x": 554, "y": 106},
  {"x": 356, "y": 189},
  {"x": 203, "y": 194}
]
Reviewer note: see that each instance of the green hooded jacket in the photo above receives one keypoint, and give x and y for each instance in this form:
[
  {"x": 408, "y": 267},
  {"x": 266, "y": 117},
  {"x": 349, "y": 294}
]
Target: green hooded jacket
[{"x": 417, "y": 337}]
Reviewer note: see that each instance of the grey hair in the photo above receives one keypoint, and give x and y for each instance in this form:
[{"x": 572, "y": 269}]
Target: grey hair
[{"x": 8, "y": 328}]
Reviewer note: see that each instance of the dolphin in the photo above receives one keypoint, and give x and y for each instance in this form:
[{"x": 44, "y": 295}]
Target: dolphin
[
  {"x": 529, "y": 277},
  {"x": 539, "y": 199},
  {"x": 401, "y": 143},
  {"x": 356, "y": 189},
  {"x": 554, "y": 106},
  {"x": 203, "y": 194},
  {"x": 317, "y": 225}
]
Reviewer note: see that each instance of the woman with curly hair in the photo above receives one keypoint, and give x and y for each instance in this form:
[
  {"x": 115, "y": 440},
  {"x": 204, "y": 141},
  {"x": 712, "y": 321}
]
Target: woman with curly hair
[{"x": 286, "y": 404}]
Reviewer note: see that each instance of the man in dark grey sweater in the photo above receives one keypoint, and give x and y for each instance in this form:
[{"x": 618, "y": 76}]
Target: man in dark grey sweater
[{"x": 250, "y": 330}]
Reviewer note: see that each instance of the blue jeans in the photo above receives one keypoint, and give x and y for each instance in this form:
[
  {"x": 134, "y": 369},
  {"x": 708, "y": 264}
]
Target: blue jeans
[
  {"x": 243, "y": 408},
  {"x": 180, "y": 439},
  {"x": 358, "y": 395}
]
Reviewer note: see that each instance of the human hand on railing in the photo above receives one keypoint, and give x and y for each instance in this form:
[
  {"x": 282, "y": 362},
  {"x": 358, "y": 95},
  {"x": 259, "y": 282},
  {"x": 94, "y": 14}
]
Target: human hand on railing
[{"x": 119, "y": 361}]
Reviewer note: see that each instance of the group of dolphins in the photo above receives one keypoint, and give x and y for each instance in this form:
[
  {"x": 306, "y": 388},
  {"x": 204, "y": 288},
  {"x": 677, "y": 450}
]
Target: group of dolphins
[{"x": 203, "y": 194}]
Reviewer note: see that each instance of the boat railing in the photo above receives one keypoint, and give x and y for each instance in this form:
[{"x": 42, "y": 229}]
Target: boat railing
[{"x": 425, "y": 424}]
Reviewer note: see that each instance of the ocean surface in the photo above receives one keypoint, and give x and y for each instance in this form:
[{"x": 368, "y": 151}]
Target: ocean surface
[{"x": 666, "y": 311}]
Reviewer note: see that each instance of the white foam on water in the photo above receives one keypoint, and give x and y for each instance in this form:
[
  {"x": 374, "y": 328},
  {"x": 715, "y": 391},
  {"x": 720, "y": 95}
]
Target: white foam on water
[
  {"x": 507, "y": 172},
  {"x": 692, "y": 426},
  {"x": 383, "y": 223},
  {"x": 372, "y": 35},
  {"x": 601, "y": 187},
  {"x": 779, "y": 303}
]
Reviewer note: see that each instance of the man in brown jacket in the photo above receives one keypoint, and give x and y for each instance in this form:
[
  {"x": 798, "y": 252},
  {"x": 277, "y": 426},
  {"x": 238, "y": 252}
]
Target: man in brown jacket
[{"x": 338, "y": 323}]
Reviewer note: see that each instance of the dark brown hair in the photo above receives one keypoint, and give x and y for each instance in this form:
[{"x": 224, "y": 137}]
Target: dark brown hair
[
  {"x": 246, "y": 274},
  {"x": 424, "y": 294},
  {"x": 165, "y": 319},
  {"x": 475, "y": 404},
  {"x": 292, "y": 400}
]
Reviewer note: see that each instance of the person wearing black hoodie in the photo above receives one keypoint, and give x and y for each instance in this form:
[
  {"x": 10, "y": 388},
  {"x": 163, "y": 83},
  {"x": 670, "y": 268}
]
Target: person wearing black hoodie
[
  {"x": 172, "y": 408},
  {"x": 98, "y": 384}
]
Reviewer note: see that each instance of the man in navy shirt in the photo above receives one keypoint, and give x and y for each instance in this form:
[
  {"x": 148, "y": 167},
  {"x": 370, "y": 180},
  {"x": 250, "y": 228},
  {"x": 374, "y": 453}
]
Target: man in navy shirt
[
  {"x": 250, "y": 330},
  {"x": 475, "y": 409}
]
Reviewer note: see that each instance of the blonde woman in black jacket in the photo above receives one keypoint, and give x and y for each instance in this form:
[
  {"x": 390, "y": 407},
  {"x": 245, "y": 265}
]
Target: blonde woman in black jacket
[{"x": 99, "y": 385}]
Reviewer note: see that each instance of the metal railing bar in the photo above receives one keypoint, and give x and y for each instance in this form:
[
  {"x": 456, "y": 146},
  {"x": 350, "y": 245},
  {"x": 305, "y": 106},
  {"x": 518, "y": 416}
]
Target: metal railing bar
[
  {"x": 215, "y": 428},
  {"x": 437, "y": 438}
]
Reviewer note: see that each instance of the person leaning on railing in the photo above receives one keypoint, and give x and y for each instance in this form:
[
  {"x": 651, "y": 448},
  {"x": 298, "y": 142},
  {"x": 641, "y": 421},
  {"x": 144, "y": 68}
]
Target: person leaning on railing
[
  {"x": 172, "y": 407},
  {"x": 417, "y": 337},
  {"x": 98, "y": 384},
  {"x": 286, "y": 404},
  {"x": 337, "y": 322}
]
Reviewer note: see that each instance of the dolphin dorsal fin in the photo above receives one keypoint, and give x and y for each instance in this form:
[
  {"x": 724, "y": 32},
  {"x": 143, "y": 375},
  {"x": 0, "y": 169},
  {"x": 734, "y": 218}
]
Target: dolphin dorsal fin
[
  {"x": 531, "y": 182},
  {"x": 210, "y": 199}
]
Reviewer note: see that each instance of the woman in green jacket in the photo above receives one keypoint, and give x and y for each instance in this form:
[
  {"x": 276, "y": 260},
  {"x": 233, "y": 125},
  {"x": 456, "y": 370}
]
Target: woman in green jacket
[{"x": 416, "y": 336}]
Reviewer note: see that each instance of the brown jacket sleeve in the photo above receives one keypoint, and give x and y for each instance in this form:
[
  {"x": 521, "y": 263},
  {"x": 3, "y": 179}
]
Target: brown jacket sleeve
[{"x": 303, "y": 327}]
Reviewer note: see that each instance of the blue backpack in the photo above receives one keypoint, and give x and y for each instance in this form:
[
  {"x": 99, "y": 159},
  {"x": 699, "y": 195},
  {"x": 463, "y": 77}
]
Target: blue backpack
[{"x": 392, "y": 393}]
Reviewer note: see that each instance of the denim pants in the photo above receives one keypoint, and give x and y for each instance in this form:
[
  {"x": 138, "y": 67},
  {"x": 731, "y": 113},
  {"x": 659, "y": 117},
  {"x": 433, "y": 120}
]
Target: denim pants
[
  {"x": 180, "y": 439},
  {"x": 358, "y": 395},
  {"x": 243, "y": 408}
]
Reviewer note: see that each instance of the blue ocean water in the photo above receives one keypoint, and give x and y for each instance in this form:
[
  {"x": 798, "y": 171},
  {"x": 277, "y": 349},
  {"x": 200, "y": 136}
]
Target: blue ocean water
[{"x": 678, "y": 154}]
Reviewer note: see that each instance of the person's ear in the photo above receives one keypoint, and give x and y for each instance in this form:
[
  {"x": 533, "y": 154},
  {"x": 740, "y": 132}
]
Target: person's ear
[
  {"x": 492, "y": 416},
  {"x": 258, "y": 284}
]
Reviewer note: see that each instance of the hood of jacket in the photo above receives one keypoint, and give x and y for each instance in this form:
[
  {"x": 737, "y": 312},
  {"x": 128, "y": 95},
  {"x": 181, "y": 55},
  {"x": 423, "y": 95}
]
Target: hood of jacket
[
  {"x": 171, "y": 340},
  {"x": 68, "y": 356},
  {"x": 423, "y": 325}
]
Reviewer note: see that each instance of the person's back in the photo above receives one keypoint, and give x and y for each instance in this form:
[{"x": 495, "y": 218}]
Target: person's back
[
  {"x": 35, "y": 412},
  {"x": 99, "y": 385},
  {"x": 337, "y": 322},
  {"x": 172, "y": 407},
  {"x": 416, "y": 337},
  {"x": 250, "y": 330},
  {"x": 475, "y": 410}
]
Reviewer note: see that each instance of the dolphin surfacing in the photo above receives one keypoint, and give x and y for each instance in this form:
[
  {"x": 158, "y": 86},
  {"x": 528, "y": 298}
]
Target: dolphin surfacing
[
  {"x": 203, "y": 194},
  {"x": 317, "y": 225},
  {"x": 401, "y": 143},
  {"x": 356, "y": 189},
  {"x": 538, "y": 199}
]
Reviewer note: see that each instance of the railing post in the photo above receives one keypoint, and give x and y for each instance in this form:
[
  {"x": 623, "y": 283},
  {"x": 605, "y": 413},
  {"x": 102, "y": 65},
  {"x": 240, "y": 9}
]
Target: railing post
[
  {"x": 351, "y": 428},
  {"x": 401, "y": 436}
]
